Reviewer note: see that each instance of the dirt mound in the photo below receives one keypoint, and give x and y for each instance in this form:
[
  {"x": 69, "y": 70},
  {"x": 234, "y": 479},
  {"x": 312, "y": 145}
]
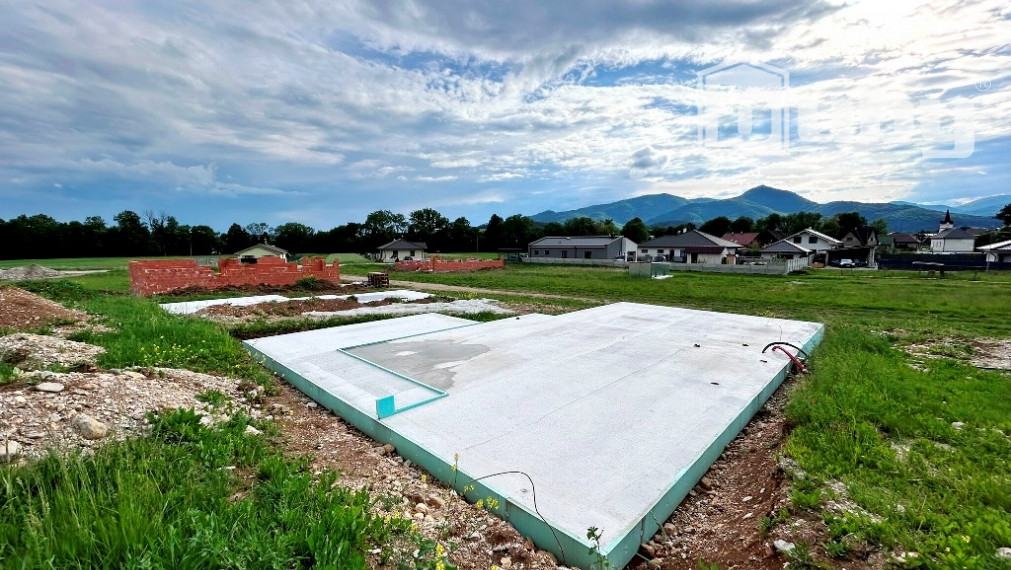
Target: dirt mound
[
  {"x": 321, "y": 288},
  {"x": 28, "y": 272},
  {"x": 295, "y": 308},
  {"x": 35, "y": 352},
  {"x": 38, "y": 418},
  {"x": 23, "y": 311}
]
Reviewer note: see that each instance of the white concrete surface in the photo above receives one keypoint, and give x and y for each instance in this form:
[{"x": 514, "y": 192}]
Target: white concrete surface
[
  {"x": 604, "y": 408},
  {"x": 461, "y": 306},
  {"x": 190, "y": 307}
]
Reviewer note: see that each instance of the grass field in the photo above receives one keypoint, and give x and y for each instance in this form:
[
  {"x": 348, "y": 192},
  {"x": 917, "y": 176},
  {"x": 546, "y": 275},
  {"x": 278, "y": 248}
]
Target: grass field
[
  {"x": 920, "y": 445},
  {"x": 75, "y": 263},
  {"x": 865, "y": 417}
]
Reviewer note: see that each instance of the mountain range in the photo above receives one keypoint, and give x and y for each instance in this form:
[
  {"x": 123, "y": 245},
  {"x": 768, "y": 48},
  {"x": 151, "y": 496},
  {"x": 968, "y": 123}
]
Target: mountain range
[{"x": 669, "y": 210}]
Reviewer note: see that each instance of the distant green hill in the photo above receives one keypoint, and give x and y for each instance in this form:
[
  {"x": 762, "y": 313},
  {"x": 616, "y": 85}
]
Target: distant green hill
[
  {"x": 643, "y": 207},
  {"x": 666, "y": 209}
]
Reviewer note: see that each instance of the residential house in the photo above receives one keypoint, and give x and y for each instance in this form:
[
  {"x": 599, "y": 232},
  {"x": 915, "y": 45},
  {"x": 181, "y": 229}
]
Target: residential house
[
  {"x": 860, "y": 237},
  {"x": 580, "y": 247},
  {"x": 691, "y": 246},
  {"x": 745, "y": 240},
  {"x": 858, "y": 244},
  {"x": 953, "y": 240},
  {"x": 785, "y": 249},
  {"x": 814, "y": 240},
  {"x": 400, "y": 250},
  {"x": 900, "y": 242},
  {"x": 256, "y": 251},
  {"x": 999, "y": 252}
]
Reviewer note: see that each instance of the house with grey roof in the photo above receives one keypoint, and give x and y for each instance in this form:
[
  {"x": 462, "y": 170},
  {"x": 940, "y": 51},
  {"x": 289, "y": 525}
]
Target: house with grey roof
[
  {"x": 690, "y": 246},
  {"x": 401, "y": 249},
  {"x": 897, "y": 241},
  {"x": 785, "y": 249},
  {"x": 258, "y": 250},
  {"x": 953, "y": 240},
  {"x": 600, "y": 248}
]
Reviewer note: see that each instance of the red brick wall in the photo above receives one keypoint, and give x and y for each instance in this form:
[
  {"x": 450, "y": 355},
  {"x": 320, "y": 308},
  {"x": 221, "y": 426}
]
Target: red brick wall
[
  {"x": 153, "y": 276},
  {"x": 437, "y": 264}
]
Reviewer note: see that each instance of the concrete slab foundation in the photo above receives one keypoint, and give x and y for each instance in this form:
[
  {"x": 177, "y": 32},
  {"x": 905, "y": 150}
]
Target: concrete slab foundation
[
  {"x": 605, "y": 417},
  {"x": 190, "y": 307}
]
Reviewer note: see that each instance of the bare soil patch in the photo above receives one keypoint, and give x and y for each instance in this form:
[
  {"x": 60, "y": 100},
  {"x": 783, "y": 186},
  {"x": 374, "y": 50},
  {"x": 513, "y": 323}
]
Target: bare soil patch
[
  {"x": 321, "y": 288},
  {"x": 40, "y": 272},
  {"x": 719, "y": 522},
  {"x": 296, "y": 308},
  {"x": 991, "y": 354},
  {"x": 24, "y": 311}
]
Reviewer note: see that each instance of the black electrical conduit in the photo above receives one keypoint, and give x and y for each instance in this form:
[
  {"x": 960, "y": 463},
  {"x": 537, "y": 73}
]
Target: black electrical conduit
[
  {"x": 533, "y": 489},
  {"x": 791, "y": 345}
]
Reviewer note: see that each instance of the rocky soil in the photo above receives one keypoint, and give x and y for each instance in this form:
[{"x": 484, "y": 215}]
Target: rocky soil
[
  {"x": 21, "y": 310},
  {"x": 81, "y": 409},
  {"x": 39, "y": 272},
  {"x": 988, "y": 353}
]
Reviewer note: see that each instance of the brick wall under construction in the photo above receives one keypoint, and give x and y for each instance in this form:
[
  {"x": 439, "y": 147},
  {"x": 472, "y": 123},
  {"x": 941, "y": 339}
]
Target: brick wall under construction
[{"x": 154, "y": 276}]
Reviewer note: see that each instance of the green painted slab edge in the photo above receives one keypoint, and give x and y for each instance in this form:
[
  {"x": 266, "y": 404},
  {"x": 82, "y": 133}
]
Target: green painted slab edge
[
  {"x": 621, "y": 550},
  {"x": 574, "y": 550}
]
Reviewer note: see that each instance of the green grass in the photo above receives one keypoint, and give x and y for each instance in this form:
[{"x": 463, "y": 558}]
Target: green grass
[
  {"x": 145, "y": 335},
  {"x": 186, "y": 496},
  {"x": 7, "y": 373},
  {"x": 112, "y": 281},
  {"x": 70, "y": 263},
  {"x": 864, "y": 417},
  {"x": 948, "y": 494},
  {"x": 948, "y": 497},
  {"x": 465, "y": 255},
  {"x": 878, "y": 299}
]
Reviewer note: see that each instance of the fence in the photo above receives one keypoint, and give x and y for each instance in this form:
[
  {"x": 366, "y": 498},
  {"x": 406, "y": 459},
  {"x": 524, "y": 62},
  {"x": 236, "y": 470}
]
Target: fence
[
  {"x": 951, "y": 262},
  {"x": 576, "y": 261},
  {"x": 770, "y": 268}
]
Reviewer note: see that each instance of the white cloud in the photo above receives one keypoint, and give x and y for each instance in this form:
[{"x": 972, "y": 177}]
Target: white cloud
[{"x": 366, "y": 97}]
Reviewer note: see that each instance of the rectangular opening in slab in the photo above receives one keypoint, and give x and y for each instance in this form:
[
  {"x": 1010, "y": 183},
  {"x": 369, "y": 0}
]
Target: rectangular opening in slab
[{"x": 613, "y": 413}]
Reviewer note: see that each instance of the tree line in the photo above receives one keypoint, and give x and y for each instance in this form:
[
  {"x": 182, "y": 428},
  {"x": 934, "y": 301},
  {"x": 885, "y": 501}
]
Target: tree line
[{"x": 160, "y": 234}]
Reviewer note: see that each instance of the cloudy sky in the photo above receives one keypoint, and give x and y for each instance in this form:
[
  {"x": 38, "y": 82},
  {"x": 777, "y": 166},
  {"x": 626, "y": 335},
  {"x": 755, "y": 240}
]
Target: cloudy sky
[{"x": 322, "y": 111}]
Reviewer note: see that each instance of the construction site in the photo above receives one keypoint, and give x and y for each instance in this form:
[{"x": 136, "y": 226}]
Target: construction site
[{"x": 585, "y": 430}]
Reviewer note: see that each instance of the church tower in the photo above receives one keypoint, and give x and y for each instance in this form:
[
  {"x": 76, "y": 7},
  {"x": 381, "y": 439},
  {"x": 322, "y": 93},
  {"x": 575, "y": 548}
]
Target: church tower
[{"x": 946, "y": 223}]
